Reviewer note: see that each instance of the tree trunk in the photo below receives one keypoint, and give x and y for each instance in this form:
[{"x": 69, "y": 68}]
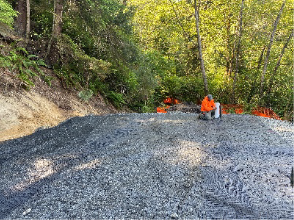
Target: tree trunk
[
  {"x": 238, "y": 52},
  {"x": 278, "y": 63},
  {"x": 20, "y": 24},
  {"x": 28, "y": 25},
  {"x": 200, "y": 49},
  {"x": 57, "y": 23},
  {"x": 57, "y": 18},
  {"x": 269, "y": 48},
  {"x": 260, "y": 58},
  {"x": 229, "y": 58},
  {"x": 254, "y": 86}
]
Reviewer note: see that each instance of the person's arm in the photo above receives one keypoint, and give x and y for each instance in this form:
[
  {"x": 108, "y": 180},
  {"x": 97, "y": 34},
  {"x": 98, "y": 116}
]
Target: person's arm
[{"x": 213, "y": 105}]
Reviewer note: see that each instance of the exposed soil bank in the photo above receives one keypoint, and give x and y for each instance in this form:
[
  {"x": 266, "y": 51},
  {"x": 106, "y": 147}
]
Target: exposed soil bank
[{"x": 22, "y": 112}]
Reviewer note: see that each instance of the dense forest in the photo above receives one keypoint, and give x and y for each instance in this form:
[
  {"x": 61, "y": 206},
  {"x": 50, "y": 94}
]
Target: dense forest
[{"x": 138, "y": 52}]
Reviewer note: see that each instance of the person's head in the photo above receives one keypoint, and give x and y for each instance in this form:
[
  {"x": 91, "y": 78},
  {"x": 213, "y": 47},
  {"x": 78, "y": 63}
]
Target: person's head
[{"x": 209, "y": 96}]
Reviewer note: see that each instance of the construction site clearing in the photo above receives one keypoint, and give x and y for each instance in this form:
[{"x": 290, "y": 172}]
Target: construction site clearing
[{"x": 172, "y": 104}]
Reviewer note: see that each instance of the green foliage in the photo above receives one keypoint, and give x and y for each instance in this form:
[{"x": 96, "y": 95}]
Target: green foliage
[
  {"x": 96, "y": 50},
  {"x": 101, "y": 28},
  {"x": 168, "y": 28},
  {"x": 7, "y": 14},
  {"x": 137, "y": 55},
  {"x": 79, "y": 69},
  {"x": 24, "y": 65},
  {"x": 187, "y": 89},
  {"x": 85, "y": 94},
  {"x": 117, "y": 99}
]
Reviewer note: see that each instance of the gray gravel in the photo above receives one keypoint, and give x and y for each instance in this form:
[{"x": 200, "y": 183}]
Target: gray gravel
[{"x": 150, "y": 166}]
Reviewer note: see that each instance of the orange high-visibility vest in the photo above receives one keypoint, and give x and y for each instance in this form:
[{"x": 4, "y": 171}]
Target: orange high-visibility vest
[{"x": 207, "y": 105}]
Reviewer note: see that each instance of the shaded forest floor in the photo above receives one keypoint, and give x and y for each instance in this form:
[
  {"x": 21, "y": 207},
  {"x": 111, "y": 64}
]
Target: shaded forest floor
[{"x": 22, "y": 112}]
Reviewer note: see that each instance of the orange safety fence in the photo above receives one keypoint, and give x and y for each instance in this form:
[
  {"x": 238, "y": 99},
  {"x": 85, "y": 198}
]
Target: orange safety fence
[
  {"x": 265, "y": 112},
  {"x": 162, "y": 109},
  {"x": 226, "y": 109},
  {"x": 259, "y": 111},
  {"x": 238, "y": 109},
  {"x": 169, "y": 100}
]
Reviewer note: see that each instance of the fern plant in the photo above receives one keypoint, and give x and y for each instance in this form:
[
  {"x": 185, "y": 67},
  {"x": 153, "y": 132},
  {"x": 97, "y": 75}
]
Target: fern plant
[
  {"x": 116, "y": 98},
  {"x": 86, "y": 94},
  {"x": 25, "y": 66}
]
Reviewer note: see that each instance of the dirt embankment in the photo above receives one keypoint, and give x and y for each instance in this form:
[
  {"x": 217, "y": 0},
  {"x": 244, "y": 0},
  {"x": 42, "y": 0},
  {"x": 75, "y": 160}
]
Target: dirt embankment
[{"x": 22, "y": 112}]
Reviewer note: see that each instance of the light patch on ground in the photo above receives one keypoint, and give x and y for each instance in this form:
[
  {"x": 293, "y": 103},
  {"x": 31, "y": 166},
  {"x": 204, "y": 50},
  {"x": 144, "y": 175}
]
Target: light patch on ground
[
  {"x": 90, "y": 165},
  {"x": 191, "y": 153},
  {"x": 41, "y": 168},
  {"x": 284, "y": 129}
]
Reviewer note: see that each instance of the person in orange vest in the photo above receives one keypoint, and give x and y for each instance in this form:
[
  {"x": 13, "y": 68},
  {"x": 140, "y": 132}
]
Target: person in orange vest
[{"x": 207, "y": 108}]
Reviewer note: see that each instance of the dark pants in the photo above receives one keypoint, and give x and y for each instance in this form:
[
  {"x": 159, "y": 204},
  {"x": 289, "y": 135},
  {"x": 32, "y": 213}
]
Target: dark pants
[{"x": 209, "y": 115}]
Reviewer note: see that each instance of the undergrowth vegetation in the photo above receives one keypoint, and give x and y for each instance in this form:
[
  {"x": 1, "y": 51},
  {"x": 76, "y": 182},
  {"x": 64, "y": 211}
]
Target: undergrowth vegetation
[
  {"x": 23, "y": 65},
  {"x": 138, "y": 52}
]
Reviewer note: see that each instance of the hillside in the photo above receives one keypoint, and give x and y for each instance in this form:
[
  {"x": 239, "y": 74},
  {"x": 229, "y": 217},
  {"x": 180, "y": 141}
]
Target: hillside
[
  {"x": 72, "y": 74},
  {"x": 22, "y": 112}
]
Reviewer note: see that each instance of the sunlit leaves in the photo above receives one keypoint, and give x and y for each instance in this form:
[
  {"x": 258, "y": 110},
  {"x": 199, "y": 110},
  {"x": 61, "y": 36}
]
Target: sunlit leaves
[
  {"x": 7, "y": 13},
  {"x": 168, "y": 26}
]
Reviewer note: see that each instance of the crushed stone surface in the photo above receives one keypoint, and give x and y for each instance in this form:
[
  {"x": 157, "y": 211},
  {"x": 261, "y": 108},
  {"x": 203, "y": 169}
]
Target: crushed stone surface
[{"x": 170, "y": 166}]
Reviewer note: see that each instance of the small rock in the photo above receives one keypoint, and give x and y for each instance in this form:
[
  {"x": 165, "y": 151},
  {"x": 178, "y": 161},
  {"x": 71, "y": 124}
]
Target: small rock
[
  {"x": 174, "y": 216},
  {"x": 26, "y": 211}
]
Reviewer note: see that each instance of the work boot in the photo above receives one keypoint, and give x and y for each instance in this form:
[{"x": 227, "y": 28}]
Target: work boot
[{"x": 201, "y": 116}]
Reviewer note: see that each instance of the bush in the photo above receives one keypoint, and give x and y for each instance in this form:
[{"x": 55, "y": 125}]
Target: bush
[
  {"x": 25, "y": 66},
  {"x": 117, "y": 99},
  {"x": 7, "y": 13},
  {"x": 85, "y": 94},
  {"x": 186, "y": 89}
]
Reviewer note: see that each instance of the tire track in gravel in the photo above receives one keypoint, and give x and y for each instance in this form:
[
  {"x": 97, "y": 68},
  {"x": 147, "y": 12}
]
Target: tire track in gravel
[
  {"x": 191, "y": 173},
  {"x": 147, "y": 166},
  {"x": 216, "y": 195},
  {"x": 226, "y": 187}
]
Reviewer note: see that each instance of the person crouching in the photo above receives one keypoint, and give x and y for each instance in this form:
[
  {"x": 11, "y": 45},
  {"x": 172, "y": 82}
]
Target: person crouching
[{"x": 207, "y": 108}]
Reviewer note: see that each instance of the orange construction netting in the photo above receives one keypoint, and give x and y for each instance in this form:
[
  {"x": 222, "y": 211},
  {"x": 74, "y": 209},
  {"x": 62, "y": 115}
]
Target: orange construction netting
[
  {"x": 259, "y": 111},
  {"x": 162, "y": 109},
  {"x": 226, "y": 109},
  {"x": 169, "y": 100}
]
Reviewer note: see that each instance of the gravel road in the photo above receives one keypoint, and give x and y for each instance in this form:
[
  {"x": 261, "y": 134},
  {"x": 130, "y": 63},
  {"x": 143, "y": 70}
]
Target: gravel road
[{"x": 150, "y": 166}]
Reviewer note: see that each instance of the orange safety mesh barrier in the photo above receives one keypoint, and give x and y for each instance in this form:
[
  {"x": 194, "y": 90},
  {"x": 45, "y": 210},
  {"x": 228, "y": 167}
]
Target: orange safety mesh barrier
[
  {"x": 238, "y": 109},
  {"x": 265, "y": 112},
  {"x": 259, "y": 111},
  {"x": 162, "y": 109},
  {"x": 226, "y": 109},
  {"x": 169, "y": 100}
]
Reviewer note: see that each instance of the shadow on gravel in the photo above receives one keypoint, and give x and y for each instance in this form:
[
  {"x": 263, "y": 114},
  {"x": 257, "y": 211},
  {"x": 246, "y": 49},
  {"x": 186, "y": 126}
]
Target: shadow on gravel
[
  {"x": 35, "y": 161},
  {"x": 38, "y": 174},
  {"x": 12, "y": 200},
  {"x": 20, "y": 155},
  {"x": 148, "y": 166}
]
